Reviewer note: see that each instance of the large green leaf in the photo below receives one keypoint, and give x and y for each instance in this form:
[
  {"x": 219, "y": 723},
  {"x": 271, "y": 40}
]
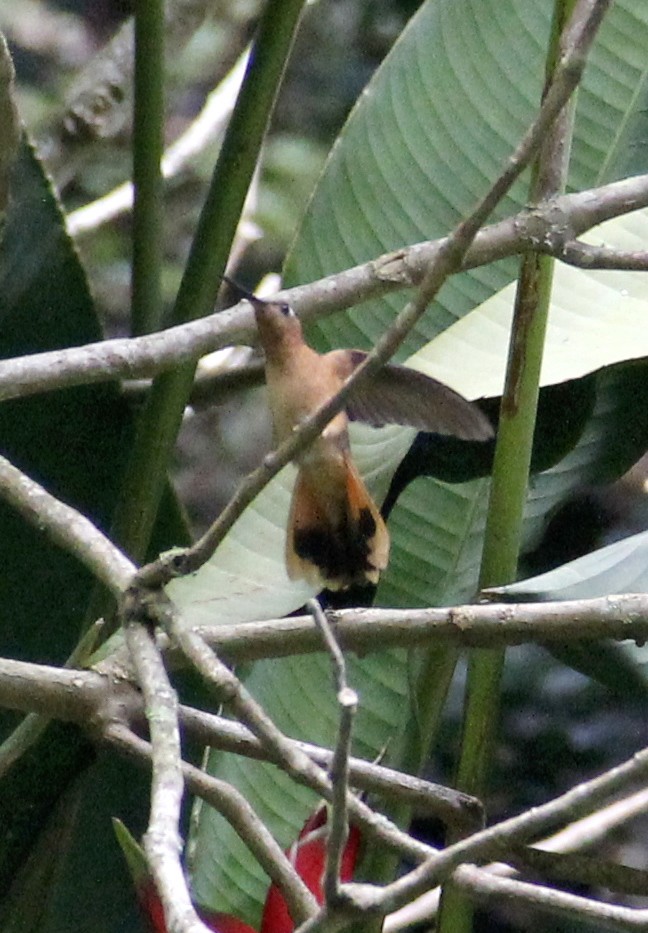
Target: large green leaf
[
  {"x": 72, "y": 441},
  {"x": 621, "y": 567},
  {"x": 452, "y": 146},
  {"x": 434, "y": 127},
  {"x": 597, "y": 318}
]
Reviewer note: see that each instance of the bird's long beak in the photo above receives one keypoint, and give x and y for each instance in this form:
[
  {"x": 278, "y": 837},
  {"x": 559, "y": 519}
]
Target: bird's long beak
[{"x": 244, "y": 293}]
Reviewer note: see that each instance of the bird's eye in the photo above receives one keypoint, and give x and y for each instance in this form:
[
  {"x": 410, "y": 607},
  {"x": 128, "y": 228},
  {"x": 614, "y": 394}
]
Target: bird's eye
[{"x": 286, "y": 310}]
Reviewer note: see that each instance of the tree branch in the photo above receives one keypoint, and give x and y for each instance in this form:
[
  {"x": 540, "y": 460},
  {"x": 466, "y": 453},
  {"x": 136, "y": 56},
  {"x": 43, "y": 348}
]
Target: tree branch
[
  {"x": 475, "y": 625},
  {"x": 162, "y": 841},
  {"x": 548, "y": 226},
  {"x": 583, "y": 834},
  {"x": 485, "y": 888},
  {"x": 445, "y": 803},
  {"x": 492, "y": 842}
]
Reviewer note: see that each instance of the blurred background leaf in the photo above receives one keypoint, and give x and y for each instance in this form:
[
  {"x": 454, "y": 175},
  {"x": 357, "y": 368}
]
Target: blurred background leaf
[{"x": 443, "y": 114}]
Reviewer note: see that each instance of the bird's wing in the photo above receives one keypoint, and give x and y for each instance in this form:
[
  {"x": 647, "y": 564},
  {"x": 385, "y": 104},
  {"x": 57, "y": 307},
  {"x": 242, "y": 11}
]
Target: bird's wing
[{"x": 400, "y": 395}]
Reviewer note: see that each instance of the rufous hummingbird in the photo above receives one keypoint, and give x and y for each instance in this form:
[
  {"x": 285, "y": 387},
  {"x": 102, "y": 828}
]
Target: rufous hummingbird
[{"x": 336, "y": 536}]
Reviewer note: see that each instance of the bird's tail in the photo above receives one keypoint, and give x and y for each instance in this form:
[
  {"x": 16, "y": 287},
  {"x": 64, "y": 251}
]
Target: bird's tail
[{"x": 336, "y": 535}]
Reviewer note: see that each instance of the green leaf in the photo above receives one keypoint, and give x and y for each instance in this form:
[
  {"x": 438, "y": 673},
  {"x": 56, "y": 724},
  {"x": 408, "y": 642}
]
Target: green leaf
[
  {"x": 621, "y": 567},
  {"x": 391, "y": 180},
  {"x": 597, "y": 319},
  {"x": 132, "y": 851},
  {"x": 72, "y": 441}
]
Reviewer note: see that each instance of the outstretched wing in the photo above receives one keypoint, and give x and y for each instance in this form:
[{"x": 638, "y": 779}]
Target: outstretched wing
[{"x": 400, "y": 395}]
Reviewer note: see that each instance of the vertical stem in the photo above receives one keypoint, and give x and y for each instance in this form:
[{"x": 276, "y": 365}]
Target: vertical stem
[
  {"x": 148, "y": 142},
  {"x": 160, "y": 420},
  {"x": 509, "y": 485}
]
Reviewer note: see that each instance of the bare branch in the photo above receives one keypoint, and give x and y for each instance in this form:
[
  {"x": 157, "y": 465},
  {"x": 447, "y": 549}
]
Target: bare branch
[
  {"x": 480, "y": 625},
  {"x": 586, "y": 256},
  {"x": 162, "y": 842},
  {"x": 96, "y": 699},
  {"x": 337, "y": 823},
  {"x": 231, "y": 691},
  {"x": 73, "y": 696},
  {"x": 448, "y": 805},
  {"x": 550, "y": 225},
  {"x": 491, "y": 842},
  {"x": 578, "y": 869},
  {"x": 482, "y": 885},
  {"x": 592, "y": 830},
  {"x": 485, "y": 888},
  {"x": 288, "y": 755},
  {"x": 580, "y": 835}
]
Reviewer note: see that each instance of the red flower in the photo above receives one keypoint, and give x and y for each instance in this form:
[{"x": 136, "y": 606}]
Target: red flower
[{"x": 307, "y": 854}]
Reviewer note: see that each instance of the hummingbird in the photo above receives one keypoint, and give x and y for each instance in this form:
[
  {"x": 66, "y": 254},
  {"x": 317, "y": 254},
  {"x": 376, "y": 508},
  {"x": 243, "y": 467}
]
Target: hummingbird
[{"x": 336, "y": 536}]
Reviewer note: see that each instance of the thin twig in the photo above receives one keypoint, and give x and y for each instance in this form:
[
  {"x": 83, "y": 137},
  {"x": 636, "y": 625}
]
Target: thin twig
[
  {"x": 330, "y": 642},
  {"x": 490, "y": 889},
  {"x": 337, "y": 823},
  {"x": 424, "y": 797},
  {"x": 581, "y": 799},
  {"x": 592, "y": 830},
  {"x": 586, "y": 256},
  {"x": 577, "y": 869},
  {"x": 578, "y": 836},
  {"x": 491, "y": 842}
]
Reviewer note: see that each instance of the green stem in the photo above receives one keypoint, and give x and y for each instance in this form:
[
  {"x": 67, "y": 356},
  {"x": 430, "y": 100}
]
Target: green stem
[
  {"x": 504, "y": 523},
  {"x": 431, "y": 675},
  {"x": 148, "y": 143},
  {"x": 162, "y": 415}
]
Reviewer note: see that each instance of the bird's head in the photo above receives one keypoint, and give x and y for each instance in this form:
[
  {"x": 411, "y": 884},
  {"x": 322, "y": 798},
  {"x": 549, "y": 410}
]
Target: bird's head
[{"x": 279, "y": 327}]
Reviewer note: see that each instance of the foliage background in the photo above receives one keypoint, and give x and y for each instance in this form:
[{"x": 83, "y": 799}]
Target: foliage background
[{"x": 557, "y": 724}]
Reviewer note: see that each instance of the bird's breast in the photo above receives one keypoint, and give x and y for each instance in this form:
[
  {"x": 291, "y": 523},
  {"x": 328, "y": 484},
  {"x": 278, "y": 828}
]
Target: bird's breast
[{"x": 297, "y": 387}]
